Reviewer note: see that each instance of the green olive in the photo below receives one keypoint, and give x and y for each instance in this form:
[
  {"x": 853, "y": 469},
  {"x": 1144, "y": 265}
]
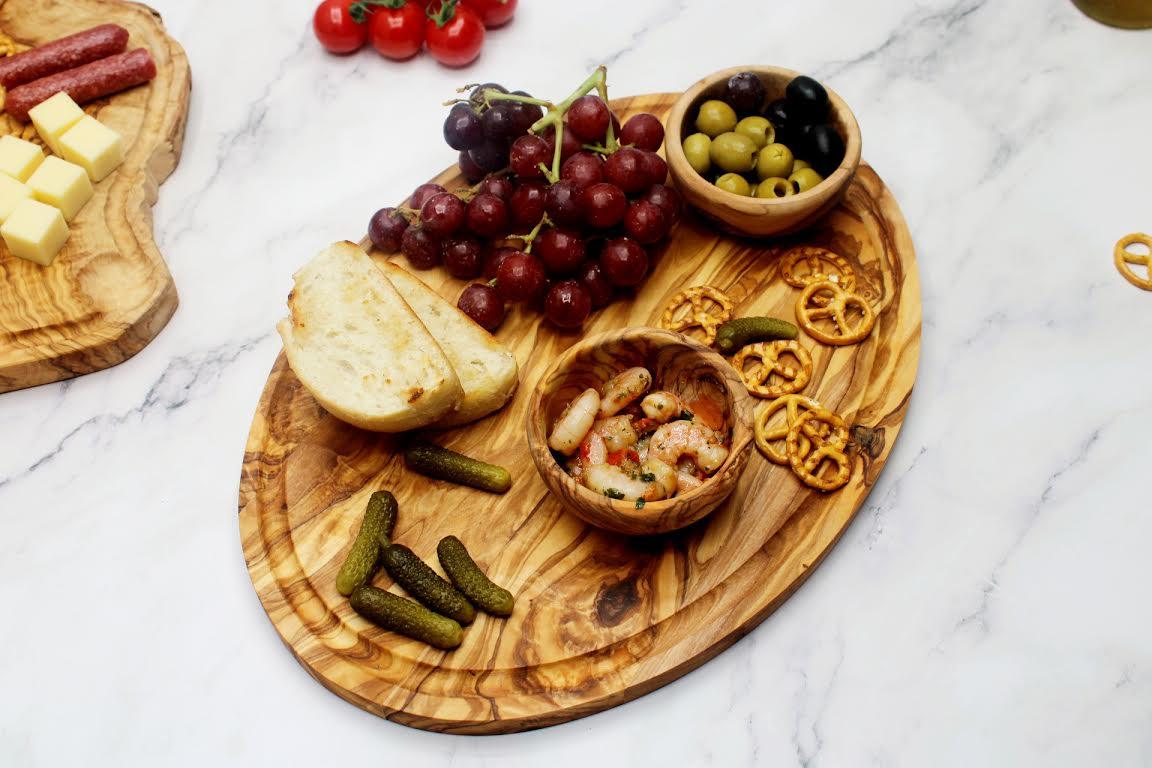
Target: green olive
[
  {"x": 696, "y": 149},
  {"x": 733, "y": 152},
  {"x": 759, "y": 129},
  {"x": 804, "y": 179},
  {"x": 775, "y": 187},
  {"x": 774, "y": 161},
  {"x": 734, "y": 183},
  {"x": 715, "y": 117},
  {"x": 800, "y": 164}
]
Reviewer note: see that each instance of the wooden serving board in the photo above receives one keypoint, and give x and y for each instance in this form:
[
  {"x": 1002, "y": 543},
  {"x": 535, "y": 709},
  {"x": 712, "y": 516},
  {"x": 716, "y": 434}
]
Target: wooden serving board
[
  {"x": 600, "y": 618},
  {"x": 109, "y": 292}
]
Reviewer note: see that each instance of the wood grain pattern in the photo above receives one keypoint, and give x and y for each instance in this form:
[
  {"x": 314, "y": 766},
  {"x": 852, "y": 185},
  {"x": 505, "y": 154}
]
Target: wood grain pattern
[
  {"x": 600, "y": 618},
  {"x": 109, "y": 291}
]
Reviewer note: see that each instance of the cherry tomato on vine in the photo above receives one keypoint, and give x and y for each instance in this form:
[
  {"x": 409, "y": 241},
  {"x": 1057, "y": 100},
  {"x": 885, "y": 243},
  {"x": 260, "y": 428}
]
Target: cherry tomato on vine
[
  {"x": 455, "y": 34},
  {"x": 493, "y": 13},
  {"x": 335, "y": 28},
  {"x": 398, "y": 33}
]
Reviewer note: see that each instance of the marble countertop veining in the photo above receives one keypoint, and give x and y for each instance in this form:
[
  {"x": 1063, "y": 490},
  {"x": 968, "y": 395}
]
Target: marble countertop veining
[{"x": 989, "y": 605}]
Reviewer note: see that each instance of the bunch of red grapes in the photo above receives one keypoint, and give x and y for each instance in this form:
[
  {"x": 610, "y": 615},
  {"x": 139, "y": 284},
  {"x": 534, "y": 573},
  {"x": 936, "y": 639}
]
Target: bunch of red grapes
[{"x": 567, "y": 242}]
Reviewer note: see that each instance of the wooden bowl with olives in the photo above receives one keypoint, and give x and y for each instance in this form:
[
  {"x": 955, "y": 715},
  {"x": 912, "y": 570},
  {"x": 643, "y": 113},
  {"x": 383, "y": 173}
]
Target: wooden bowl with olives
[
  {"x": 695, "y": 376},
  {"x": 762, "y": 150}
]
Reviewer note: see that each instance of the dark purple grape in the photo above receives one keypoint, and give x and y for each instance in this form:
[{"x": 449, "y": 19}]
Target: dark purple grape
[
  {"x": 421, "y": 194},
  {"x": 525, "y": 114},
  {"x": 501, "y": 186},
  {"x": 564, "y": 203},
  {"x": 461, "y": 256},
  {"x": 643, "y": 131},
  {"x": 583, "y": 168},
  {"x": 528, "y": 204},
  {"x": 561, "y": 250},
  {"x": 490, "y": 156},
  {"x": 386, "y": 229},
  {"x": 588, "y": 118},
  {"x": 594, "y": 279},
  {"x": 520, "y": 277},
  {"x": 499, "y": 122},
  {"x": 487, "y": 216},
  {"x": 624, "y": 261},
  {"x": 654, "y": 168},
  {"x": 604, "y": 205},
  {"x": 472, "y": 172},
  {"x": 477, "y": 94},
  {"x": 745, "y": 93},
  {"x": 568, "y": 304},
  {"x": 483, "y": 304},
  {"x": 462, "y": 128},
  {"x": 625, "y": 169},
  {"x": 526, "y": 154},
  {"x": 667, "y": 199},
  {"x": 422, "y": 250},
  {"x": 645, "y": 222},
  {"x": 442, "y": 215},
  {"x": 493, "y": 258}
]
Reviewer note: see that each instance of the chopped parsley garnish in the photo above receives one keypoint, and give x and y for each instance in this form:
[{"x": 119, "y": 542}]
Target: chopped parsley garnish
[
  {"x": 639, "y": 503},
  {"x": 612, "y": 493},
  {"x": 648, "y": 477},
  {"x": 686, "y": 414}
]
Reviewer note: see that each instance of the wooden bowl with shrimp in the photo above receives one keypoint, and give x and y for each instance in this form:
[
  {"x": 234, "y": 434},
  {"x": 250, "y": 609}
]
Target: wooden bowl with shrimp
[{"x": 699, "y": 378}]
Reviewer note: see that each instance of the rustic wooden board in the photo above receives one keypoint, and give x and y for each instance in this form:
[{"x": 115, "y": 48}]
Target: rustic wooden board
[
  {"x": 109, "y": 292},
  {"x": 600, "y": 618}
]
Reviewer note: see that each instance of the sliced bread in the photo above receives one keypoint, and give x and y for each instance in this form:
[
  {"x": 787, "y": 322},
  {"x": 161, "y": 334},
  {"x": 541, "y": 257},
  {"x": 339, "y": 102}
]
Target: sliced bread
[
  {"x": 356, "y": 345},
  {"x": 487, "y": 370}
]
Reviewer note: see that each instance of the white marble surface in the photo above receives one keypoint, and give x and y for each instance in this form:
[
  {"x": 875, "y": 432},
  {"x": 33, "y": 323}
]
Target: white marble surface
[{"x": 989, "y": 606}]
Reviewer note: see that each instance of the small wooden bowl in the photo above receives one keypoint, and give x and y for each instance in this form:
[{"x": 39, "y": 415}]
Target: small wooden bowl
[
  {"x": 677, "y": 365},
  {"x": 749, "y": 215}
]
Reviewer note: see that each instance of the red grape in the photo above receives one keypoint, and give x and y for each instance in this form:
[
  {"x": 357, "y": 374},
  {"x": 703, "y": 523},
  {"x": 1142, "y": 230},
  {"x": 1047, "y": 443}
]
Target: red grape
[
  {"x": 561, "y": 250},
  {"x": 490, "y": 156},
  {"x": 525, "y": 115},
  {"x": 488, "y": 216},
  {"x": 643, "y": 131},
  {"x": 624, "y": 262},
  {"x": 493, "y": 258},
  {"x": 481, "y": 303},
  {"x": 386, "y": 228},
  {"x": 594, "y": 279},
  {"x": 563, "y": 203},
  {"x": 568, "y": 304},
  {"x": 667, "y": 199},
  {"x": 526, "y": 154},
  {"x": 583, "y": 168},
  {"x": 645, "y": 222},
  {"x": 520, "y": 277},
  {"x": 625, "y": 169},
  {"x": 423, "y": 192},
  {"x": 588, "y": 118},
  {"x": 422, "y": 250},
  {"x": 604, "y": 205},
  {"x": 501, "y": 186},
  {"x": 528, "y": 203},
  {"x": 462, "y": 128},
  {"x": 569, "y": 145},
  {"x": 654, "y": 168},
  {"x": 468, "y": 167},
  {"x": 461, "y": 257},
  {"x": 442, "y": 215}
]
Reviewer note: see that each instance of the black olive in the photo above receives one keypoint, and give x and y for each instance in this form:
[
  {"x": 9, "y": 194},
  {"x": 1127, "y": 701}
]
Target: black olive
[
  {"x": 808, "y": 97},
  {"x": 745, "y": 93},
  {"x": 781, "y": 114},
  {"x": 823, "y": 148}
]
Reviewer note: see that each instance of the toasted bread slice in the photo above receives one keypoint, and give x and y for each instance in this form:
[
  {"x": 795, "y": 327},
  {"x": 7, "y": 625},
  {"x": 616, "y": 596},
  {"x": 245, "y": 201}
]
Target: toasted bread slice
[
  {"x": 356, "y": 345},
  {"x": 487, "y": 370}
]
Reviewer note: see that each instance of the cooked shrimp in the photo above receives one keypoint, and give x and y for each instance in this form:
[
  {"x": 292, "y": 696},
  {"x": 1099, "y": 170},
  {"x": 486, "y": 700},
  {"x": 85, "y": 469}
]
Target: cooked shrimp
[
  {"x": 593, "y": 450},
  {"x": 622, "y": 389},
  {"x": 673, "y": 441},
  {"x": 617, "y": 433},
  {"x": 569, "y": 430},
  {"x": 687, "y": 482},
  {"x": 662, "y": 406},
  {"x": 656, "y": 480}
]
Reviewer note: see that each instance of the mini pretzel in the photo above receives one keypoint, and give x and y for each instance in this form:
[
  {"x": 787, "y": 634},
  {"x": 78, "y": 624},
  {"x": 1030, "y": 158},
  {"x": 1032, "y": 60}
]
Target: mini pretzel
[
  {"x": 1123, "y": 257},
  {"x": 809, "y": 309},
  {"x": 765, "y": 435},
  {"x": 808, "y": 465},
  {"x": 758, "y": 379},
  {"x": 822, "y": 265},
  {"x": 699, "y": 314}
]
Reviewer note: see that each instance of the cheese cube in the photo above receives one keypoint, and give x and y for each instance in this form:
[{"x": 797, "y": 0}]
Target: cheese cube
[
  {"x": 11, "y": 193},
  {"x": 55, "y": 116},
  {"x": 19, "y": 158},
  {"x": 93, "y": 146},
  {"x": 35, "y": 231},
  {"x": 61, "y": 184}
]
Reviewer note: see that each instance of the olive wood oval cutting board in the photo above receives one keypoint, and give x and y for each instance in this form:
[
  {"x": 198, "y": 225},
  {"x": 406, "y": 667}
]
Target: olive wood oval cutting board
[
  {"x": 600, "y": 618},
  {"x": 109, "y": 292}
]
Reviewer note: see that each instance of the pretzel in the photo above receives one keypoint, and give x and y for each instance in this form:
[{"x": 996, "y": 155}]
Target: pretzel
[
  {"x": 758, "y": 379},
  {"x": 698, "y": 315},
  {"x": 809, "y": 310},
  {"x": 1123, "y": 257},
  {"x": 830, "y": 447},
  {"x": 765, "y": 435},
  {"x": 818, "y": 261}
]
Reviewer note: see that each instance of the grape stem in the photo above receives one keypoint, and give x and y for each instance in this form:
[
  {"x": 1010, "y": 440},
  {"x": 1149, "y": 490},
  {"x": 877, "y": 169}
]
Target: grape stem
[{"x": 530, "y": 238}]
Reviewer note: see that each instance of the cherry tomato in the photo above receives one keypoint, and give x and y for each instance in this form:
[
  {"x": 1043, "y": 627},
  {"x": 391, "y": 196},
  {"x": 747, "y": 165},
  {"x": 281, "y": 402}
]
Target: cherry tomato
[
  {"x": 455, "y": 35},
  {"x": 398, "y": 33},
  {"x": 493, "y": 13},
  {"x": 336, "y": 29}
]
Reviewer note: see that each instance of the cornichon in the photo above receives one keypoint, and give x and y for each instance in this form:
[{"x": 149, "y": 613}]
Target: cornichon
[
  {"x": 375, "y": 531},
  {"x": 735, "y": 334},
  {"x": 470, "y": 580},
  {"x": 406, "y": 617},
  {"x": 425, "y": 584},
  {"x": 443, "y": 464}
]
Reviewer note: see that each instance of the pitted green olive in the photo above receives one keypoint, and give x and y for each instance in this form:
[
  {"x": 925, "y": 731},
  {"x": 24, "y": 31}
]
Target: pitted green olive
[
  {"x": 759, "y": 129},
  {"x": 733, "y": 152},
  {"x": 774, "y": 161},
  {"x": 734, "y": 183},
  {"x": 696, "y": 150},
  {"x": 715, "y": 117}
]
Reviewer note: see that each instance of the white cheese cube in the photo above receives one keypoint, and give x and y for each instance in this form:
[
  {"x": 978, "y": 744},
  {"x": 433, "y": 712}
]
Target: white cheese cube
[
  {"x": 93, "y": 146},
  {"x": 11, "y": 193},
  {"x": 35, "y": 231},
  {"x": 55, "y": 116},
  {"x": 19, "y": 158},
  {"x": 61, "y": 184}
]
